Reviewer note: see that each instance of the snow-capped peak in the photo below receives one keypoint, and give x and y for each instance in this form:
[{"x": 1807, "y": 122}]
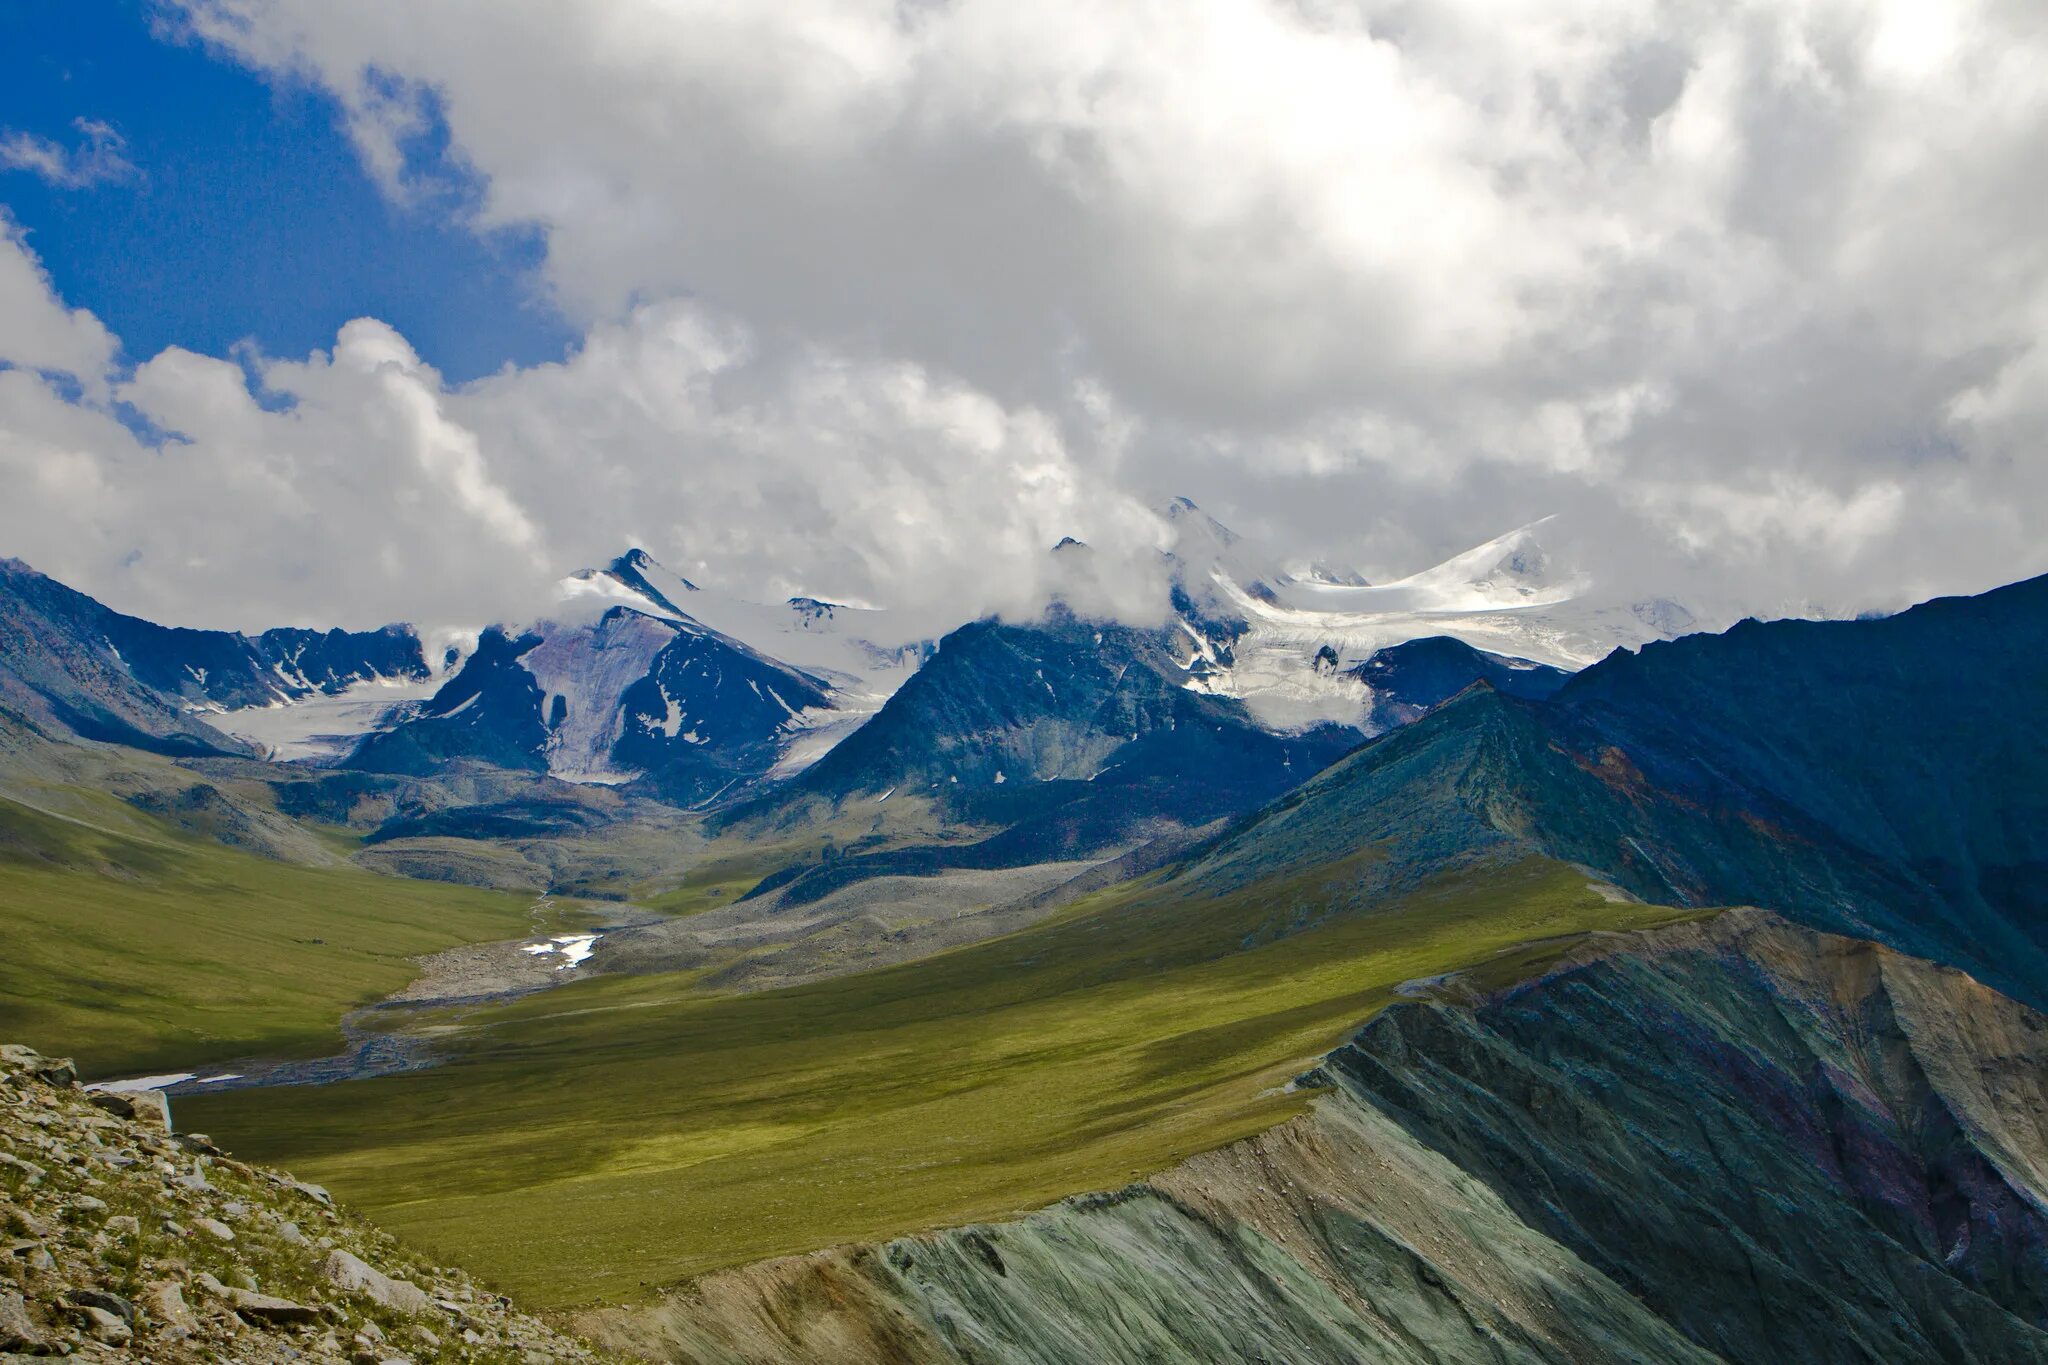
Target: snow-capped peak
[{"x": 1303, "y": 634}]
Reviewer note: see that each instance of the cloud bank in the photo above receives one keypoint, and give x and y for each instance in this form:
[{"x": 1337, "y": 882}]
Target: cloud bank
[{"x": 881, "y": 298}]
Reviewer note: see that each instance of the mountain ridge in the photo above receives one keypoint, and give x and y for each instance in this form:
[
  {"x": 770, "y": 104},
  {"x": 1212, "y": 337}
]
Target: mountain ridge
[{"x": 1741, "y": 768}]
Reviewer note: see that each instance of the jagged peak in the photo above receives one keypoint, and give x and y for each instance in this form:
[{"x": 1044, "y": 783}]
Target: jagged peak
[{"x": 637, "y": 561}]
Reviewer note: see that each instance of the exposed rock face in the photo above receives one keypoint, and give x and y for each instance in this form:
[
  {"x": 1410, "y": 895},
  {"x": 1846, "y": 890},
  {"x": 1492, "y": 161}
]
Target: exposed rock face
[
  {"x": 1409, "y": 679},
  {"x": 1734, "y": 1140},
  {"x": 687, "y": 709},
  {"x": 121, "y": 1242}
]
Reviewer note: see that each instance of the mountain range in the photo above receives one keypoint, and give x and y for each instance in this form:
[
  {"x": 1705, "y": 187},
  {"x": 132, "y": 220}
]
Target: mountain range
[
  {"x": 638, "y": 678},
  {"x": 1454, "y": 969}
]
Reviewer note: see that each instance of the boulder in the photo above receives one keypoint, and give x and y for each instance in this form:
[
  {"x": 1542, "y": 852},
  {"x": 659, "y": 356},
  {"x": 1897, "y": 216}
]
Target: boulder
[
  {"x": 17, "y": 1333},
  {"x": 104, "y": 1301},
  {"x": 167, "y": 1305},
  {"x": 263, "y": 1309},
  {"x": 30, "y": 1172},
  {"x": 354, "y": 1274},
  {"x": 103, "y": 1326},
  {"x": 119, "y": 1105},
  {"x": 146, "y": 1106},
  {"x": 18, "y": 1060}
]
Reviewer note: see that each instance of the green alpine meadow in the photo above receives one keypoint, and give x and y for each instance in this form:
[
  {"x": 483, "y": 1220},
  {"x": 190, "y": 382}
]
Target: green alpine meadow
[{"x": 1261, "y": 682}]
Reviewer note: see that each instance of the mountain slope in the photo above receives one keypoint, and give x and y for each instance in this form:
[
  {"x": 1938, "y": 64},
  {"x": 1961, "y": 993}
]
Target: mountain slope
[
  {"x": 1063, "y": 736},
  {"x": 1736, "y": 1141},
  {"x": 1886, "y": 778},
  {"x": 1002, "y": 702},
  {"x": 1412, "y": 678},
  {"x": 685, "y": 710},
  {"x": 133, "y": 944},
  {"x": 67, "y": 662},
  {"x": 216, "y": 666}
]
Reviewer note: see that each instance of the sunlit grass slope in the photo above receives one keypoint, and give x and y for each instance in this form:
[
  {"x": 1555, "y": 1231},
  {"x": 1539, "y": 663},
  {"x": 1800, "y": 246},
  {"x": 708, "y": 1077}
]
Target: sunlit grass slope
[
  {"x": 628, "y": 1131},
  {"x": 134, "y": 947}
]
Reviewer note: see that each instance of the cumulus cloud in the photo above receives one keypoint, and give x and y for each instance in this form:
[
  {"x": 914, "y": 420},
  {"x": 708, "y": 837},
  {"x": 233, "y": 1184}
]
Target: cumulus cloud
[
  {"x": 100, "y": 157},
  {"x": 881, "y": 296},
  {"x": 355, "y": 486},
  {"x": 37, "y": 332}
]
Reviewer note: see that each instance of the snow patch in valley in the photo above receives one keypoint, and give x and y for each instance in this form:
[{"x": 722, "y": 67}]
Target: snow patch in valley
[
  {"x": 573, "y": 949},
  {"x": 135, "y": 1085}
]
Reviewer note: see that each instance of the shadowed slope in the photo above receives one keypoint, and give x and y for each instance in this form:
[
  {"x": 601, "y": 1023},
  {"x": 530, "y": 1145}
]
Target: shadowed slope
[
  {"x": 1736, "y": 1141},
  {"x": 1885, "y": 778}
]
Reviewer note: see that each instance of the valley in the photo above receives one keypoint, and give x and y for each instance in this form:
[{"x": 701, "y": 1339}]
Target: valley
[
  {"x": 670, "y": 1131},
  {"x": 144, "y": 948},
  {"x": 1063, "y": 1006},
  {"x": 940, "y": 682}
]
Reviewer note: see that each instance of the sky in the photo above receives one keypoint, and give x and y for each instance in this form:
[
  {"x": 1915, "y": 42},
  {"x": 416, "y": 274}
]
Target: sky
[{"x": 340, "y": 314}]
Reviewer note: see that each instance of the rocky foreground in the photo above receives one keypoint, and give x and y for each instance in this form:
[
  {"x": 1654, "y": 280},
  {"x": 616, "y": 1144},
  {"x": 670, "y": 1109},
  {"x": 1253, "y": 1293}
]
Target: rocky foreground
[{"x": 122, "y": 1241}]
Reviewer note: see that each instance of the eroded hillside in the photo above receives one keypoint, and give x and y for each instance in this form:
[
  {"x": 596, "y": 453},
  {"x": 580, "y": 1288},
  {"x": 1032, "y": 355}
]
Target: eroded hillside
[{"x": 1734, "y": 1139}]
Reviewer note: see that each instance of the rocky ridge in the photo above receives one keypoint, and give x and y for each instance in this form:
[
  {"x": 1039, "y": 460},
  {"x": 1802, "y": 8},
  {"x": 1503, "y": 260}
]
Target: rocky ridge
[
  {"x": 1732, "y": 1139},
  {"x": 122, "y": 1241}
]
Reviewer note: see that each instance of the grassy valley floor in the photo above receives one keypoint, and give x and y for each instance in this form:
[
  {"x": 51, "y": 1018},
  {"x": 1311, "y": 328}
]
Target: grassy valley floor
[
  {"x": 134, "y": 946},
  {"x": 628, "y": 1132}
]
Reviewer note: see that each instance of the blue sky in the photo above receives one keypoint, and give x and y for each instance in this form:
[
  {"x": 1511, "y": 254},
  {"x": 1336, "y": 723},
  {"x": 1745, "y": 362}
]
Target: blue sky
[{"x": 249, "y": 216}]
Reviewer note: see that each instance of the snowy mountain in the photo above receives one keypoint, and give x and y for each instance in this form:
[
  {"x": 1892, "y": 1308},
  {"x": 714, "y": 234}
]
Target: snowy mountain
[
  {"x": 637, "y": 674},
  {"x": 70, "y": 662},
  {"x": 860, "y": 654},
  {"x": 1299, "y": 640},
  {"x": 619, "y": 684}
]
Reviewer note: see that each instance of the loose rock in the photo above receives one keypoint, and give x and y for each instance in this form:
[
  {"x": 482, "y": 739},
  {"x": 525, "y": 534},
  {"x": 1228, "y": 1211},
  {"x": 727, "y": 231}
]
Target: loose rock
[
  {"x": 17, "y": 1333},
  {"x": 352, "y": 1273}
]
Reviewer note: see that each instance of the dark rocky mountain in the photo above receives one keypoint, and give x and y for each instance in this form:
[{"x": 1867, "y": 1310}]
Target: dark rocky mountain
[
  {"x": 1066, "y": 735},
  {"x": 1735, "y": 1141},
  {"x": 670, "y": 704},
  {"x": 1069, "y": 736},
  {"x": 1408, "y": 680},
  {"x": 1062, "y": 699},
  {"x": 489, "y": 712},
  {"x": 70, "y": 664},
  {"x": 1886, "y": 778}
]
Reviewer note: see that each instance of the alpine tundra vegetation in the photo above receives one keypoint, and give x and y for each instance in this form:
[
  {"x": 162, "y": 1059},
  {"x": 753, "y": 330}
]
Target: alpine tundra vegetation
[{"x": 982, "y": 684}]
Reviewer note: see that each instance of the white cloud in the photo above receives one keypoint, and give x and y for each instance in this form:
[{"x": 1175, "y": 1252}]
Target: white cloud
[
  {"x": 37, "y": 332},
  {"x": 881, "y": 296},
  {"x": 99, "y": 158},
  {"x": 357, "y": 487}
]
